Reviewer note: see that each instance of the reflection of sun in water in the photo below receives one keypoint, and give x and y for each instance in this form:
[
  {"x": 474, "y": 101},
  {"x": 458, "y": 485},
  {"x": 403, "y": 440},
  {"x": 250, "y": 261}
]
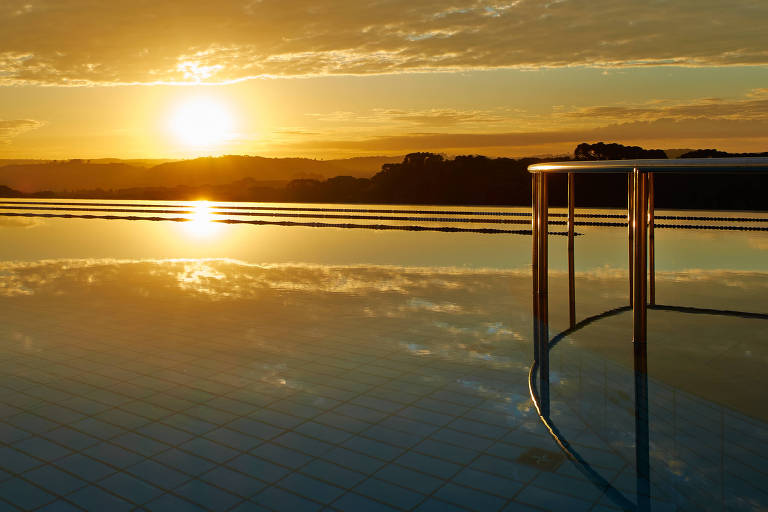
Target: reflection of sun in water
[
  {"x": 201, "y": 220},
  {"x": 201, "y": 122}
]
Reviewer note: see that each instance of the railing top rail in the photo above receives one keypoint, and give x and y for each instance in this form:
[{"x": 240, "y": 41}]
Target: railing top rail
[{"x": 679, "y": 165}]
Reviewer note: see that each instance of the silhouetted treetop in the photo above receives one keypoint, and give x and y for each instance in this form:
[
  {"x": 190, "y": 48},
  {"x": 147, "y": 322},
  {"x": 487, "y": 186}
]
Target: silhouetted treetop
[
  {"x": 613, "y": 151},
  {"x": 714, "y": 153},
  {"x": 422, "y": 159}
]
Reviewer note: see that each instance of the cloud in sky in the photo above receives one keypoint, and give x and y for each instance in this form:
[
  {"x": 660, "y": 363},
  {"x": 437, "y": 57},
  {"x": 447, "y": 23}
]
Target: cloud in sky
[
  {"x": 12, "y": 128},
  {"x": 425, "y": 117},
  {"x": 660, "y": 130},
  {"x": 82, "y": 42},
  {"x": 702, "y": 120},
  {"x": 755, "y": 106}
]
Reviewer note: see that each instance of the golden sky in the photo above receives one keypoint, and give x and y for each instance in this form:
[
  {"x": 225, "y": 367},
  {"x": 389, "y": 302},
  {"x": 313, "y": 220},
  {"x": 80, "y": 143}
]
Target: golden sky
[{"x": 318, "y": 78}]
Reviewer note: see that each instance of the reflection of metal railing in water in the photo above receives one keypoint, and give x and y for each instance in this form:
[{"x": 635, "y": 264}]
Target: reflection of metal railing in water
[
  {"x": 641, "y": 242},
  {"x": 642, "y": 448}
]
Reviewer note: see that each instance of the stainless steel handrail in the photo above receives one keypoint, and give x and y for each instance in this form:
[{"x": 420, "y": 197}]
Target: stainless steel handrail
[
  {"x": 640, "y": 221},
  {"x": 679, "y": 165},
  {"x": 640, "y": 205}
]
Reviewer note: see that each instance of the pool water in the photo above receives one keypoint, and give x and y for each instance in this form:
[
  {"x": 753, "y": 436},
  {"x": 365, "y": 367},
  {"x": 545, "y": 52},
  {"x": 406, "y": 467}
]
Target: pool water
[{"x": 167, "y": 365}]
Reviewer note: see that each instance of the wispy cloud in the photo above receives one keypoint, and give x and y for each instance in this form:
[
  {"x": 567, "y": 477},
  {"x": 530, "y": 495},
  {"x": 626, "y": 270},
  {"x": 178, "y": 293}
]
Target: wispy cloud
[
  {"x": 753, "y": 107},
  {"x": 426, "y": 117},
  {"x": 13, "y": 128},
  {"x": 659, "y": 129},
  {"x": 82, "y": 42},
  {"x": 702, "y": 120},
  {"x": 20, "y": 222}
]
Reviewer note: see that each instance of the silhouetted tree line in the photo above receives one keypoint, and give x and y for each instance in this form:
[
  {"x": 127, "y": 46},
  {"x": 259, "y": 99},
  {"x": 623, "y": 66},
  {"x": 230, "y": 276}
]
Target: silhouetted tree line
[
  {"x": 685, "y": 191},
  {"x": 613, "y": 151},
  {"x": 9, "y": 192},
  {"x": 714, "y": 153},
  {"x": 429, "y": 178}
]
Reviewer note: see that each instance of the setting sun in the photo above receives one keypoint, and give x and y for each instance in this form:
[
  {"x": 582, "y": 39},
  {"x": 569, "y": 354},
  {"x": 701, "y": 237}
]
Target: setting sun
[{"x": 201, "y": 122}]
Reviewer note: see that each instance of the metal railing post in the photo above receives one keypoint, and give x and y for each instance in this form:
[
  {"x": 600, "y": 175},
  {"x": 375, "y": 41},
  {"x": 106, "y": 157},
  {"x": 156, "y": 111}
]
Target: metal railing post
[
  {"x": 651, "y": 242},
  {"x": 640, "y": 265},
  {"x": 543, "y": 292},
  {"x": 630, "y": 229},
  {"x": 571, "y": 270},
  {"x": 535, "y": 262}
]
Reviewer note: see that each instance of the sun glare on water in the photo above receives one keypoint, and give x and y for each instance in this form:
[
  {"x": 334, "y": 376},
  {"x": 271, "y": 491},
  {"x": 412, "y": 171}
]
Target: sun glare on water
[
  {"x": 201, "y": 223},
  {"x": 201, "y": 122}
]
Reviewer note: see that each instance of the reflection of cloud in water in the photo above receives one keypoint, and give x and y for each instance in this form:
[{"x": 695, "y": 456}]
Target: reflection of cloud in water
[
  {"x": 20, "y": 222},
  {"x": 515, "y": 406},
  {"x": 416, "y": 304},
  {"x": 419, "y": 302},
  {"x": 474, "y": 316},
  {"x": 758, "y": 242},
  {"x": 228, "y": 278},
  {"x": 25, "y": 342},
  {"x": 197, "y": 276}
]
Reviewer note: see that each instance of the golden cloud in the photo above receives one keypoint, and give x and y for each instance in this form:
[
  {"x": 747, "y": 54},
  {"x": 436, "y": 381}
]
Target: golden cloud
[
  {"x": 659, "y": 129},
  {"x": 754, "y": 106},
  {"x": 13, "y": 128},
  {"x": 425, "y": 117},
  {"x": 83, "y": 42}
]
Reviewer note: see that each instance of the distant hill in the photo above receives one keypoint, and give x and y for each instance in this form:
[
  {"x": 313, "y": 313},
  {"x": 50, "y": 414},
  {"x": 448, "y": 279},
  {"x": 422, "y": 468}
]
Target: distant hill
[
  {"x": 141, "y": 162},
  {"x": 365, "y": 166},
  {"x": 60, "y": 176},
  {"x": 70, "y": 175},
  {"x": 675, "y": 153},
  {"x": 9, "y": 192},
  {"x": 21, "y": 161}
]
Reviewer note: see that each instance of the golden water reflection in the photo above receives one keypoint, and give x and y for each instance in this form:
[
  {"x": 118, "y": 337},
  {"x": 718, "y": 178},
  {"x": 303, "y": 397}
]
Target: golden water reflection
[{"x": 201, "y": 223}]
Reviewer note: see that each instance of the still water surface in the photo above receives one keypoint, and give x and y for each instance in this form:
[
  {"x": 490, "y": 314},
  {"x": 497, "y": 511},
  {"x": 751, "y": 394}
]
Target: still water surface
[{"x": 408, "y": 348}]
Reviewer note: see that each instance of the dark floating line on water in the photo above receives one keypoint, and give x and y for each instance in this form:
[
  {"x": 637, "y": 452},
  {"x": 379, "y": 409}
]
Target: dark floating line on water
[
  {"x": 133, "y": 207},
  {"x": 663, "y": 217},
  {"x": 722, "y": 228},
  {"x": 360, "y": 217},
  {"x": 491, "y": 231},
  {"x": 395, "y": 218},
  {"x": 274, "y": 214},
  {"x": 289, "y": 208},
  {"x": 714, "y": 219},
  {"x": 671, "y": 226}
]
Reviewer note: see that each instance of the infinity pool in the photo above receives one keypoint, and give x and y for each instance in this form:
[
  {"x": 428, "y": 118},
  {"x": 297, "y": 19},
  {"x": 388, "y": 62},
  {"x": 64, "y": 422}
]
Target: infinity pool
[{"x": 150, "y": 363}]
